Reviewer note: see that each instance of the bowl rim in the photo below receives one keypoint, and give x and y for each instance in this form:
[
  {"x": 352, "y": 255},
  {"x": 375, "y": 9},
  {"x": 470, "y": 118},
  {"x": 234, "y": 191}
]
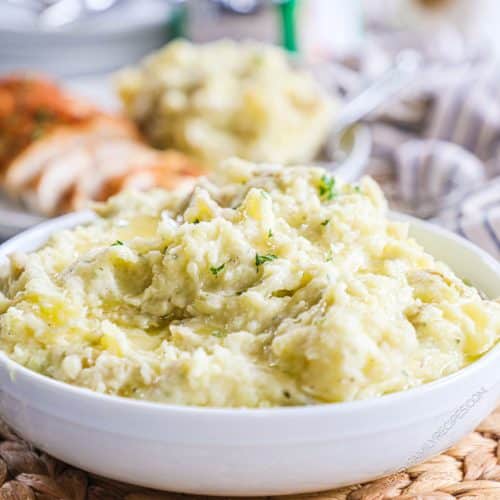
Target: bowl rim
[{"x": 15, "y": 369}]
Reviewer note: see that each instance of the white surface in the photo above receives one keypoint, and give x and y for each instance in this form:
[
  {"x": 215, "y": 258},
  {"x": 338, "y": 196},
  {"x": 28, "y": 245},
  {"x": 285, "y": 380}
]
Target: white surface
[{"x": 254, "y": 452}]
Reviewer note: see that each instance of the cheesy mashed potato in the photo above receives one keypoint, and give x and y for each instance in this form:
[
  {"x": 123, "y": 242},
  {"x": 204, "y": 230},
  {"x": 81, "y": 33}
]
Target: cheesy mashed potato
[
  {"x": 265, "y": 286},
  {"x": 227, "y": 99}
]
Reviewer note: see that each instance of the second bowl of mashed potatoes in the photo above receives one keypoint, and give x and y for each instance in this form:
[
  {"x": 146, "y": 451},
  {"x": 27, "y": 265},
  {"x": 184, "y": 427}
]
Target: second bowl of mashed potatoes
[{"x": 227, "y": 98}]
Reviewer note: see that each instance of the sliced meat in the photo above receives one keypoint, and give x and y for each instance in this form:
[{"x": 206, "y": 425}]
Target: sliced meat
[
  {"x": 130, "y": 165},
  {"x": 30, "y": 162},
  {"x": 48, "y": 188},
  {"x": 144, "y": 179},
  {"x": 171, "y": 170},
  {"x": 113, "y": 158},
  {"x": 75, "y": 176},
  {"x": 30, "y": 108},
  {"x": 58, "y": 152}
]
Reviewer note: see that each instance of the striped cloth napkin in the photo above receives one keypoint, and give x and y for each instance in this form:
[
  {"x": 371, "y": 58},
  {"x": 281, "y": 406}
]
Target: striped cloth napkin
[{"x": 436, "y": 146}]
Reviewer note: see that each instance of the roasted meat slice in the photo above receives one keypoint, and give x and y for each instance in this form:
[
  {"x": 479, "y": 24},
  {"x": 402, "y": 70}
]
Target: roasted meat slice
[
  {"x": 45, "y": 191},
  {"x": 58, "y": 152},
  {"x": 30, "y": 108},
  {"x": 171, "y": 170},
  {"x": 60, "y": 139},
  {"x": 123, "y": 164}
]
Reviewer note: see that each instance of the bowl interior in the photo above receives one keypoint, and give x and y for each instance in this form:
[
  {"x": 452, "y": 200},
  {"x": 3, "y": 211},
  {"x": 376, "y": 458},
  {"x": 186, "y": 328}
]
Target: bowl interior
[{"x": 468, "y": 261}]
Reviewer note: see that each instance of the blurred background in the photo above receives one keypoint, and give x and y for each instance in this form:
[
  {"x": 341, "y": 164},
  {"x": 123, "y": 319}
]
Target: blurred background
[
  {"x": 433, "y": 139},
  {"x": 71, "y": 37}
]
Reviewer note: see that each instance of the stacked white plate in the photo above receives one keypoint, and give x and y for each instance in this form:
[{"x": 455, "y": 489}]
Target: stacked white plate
[{"x": 95, "y": 43}]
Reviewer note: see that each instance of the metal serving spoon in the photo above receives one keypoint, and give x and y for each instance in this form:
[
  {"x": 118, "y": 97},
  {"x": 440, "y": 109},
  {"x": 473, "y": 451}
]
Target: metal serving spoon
[{"x": 377, "y": 93}]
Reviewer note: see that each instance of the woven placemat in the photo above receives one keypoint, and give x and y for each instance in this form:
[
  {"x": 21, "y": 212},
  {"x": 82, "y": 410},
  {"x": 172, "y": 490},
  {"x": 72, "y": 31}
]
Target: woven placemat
[{"x": 470, "y": 470}]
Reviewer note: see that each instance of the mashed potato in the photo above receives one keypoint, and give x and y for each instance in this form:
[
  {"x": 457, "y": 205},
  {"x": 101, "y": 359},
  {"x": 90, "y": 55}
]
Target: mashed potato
[
  {"x": 227, "y": 99},
  {"x": 264, "y": 286}
]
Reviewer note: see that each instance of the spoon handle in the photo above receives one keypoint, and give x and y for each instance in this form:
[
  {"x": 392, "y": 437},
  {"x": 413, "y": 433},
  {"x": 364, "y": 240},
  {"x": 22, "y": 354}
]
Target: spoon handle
[{"x": 389, "y": 84}]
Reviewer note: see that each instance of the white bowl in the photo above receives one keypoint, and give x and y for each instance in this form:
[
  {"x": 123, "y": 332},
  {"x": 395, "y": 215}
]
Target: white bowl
[{"x": 254, "y": 451}]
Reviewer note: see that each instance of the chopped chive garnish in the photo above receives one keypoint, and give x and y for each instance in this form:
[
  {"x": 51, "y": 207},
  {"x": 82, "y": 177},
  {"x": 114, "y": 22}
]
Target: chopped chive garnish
[
  {"x": 216, "y": 270},
  {"x": 327, "y": 187},
  {"x": 325, "y": 222},
  {"x": 261, "y": 259},
  {"x": 117, "y": 243}
]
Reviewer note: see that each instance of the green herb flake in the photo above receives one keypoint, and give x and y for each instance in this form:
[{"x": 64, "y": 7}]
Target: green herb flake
[
  {"x": 327, "y": 188},
  {"x": 218, "y": 334},
  {"x": 196, "y": 221},
  {"x": 269, "y": 234},
  {"x": 117, "y": 243},
  {"x": 325, "y": 222},
  {"x": 357, "y": 189},
  {"x": 43, "y": 115},
  {"x": 261, "y": 259},
  {"x": 41, "y": 119},
  {"x": 216, "y": 270}
]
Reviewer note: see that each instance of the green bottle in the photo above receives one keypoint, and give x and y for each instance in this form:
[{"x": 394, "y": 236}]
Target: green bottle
[{"x": 288, "y": 11}]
